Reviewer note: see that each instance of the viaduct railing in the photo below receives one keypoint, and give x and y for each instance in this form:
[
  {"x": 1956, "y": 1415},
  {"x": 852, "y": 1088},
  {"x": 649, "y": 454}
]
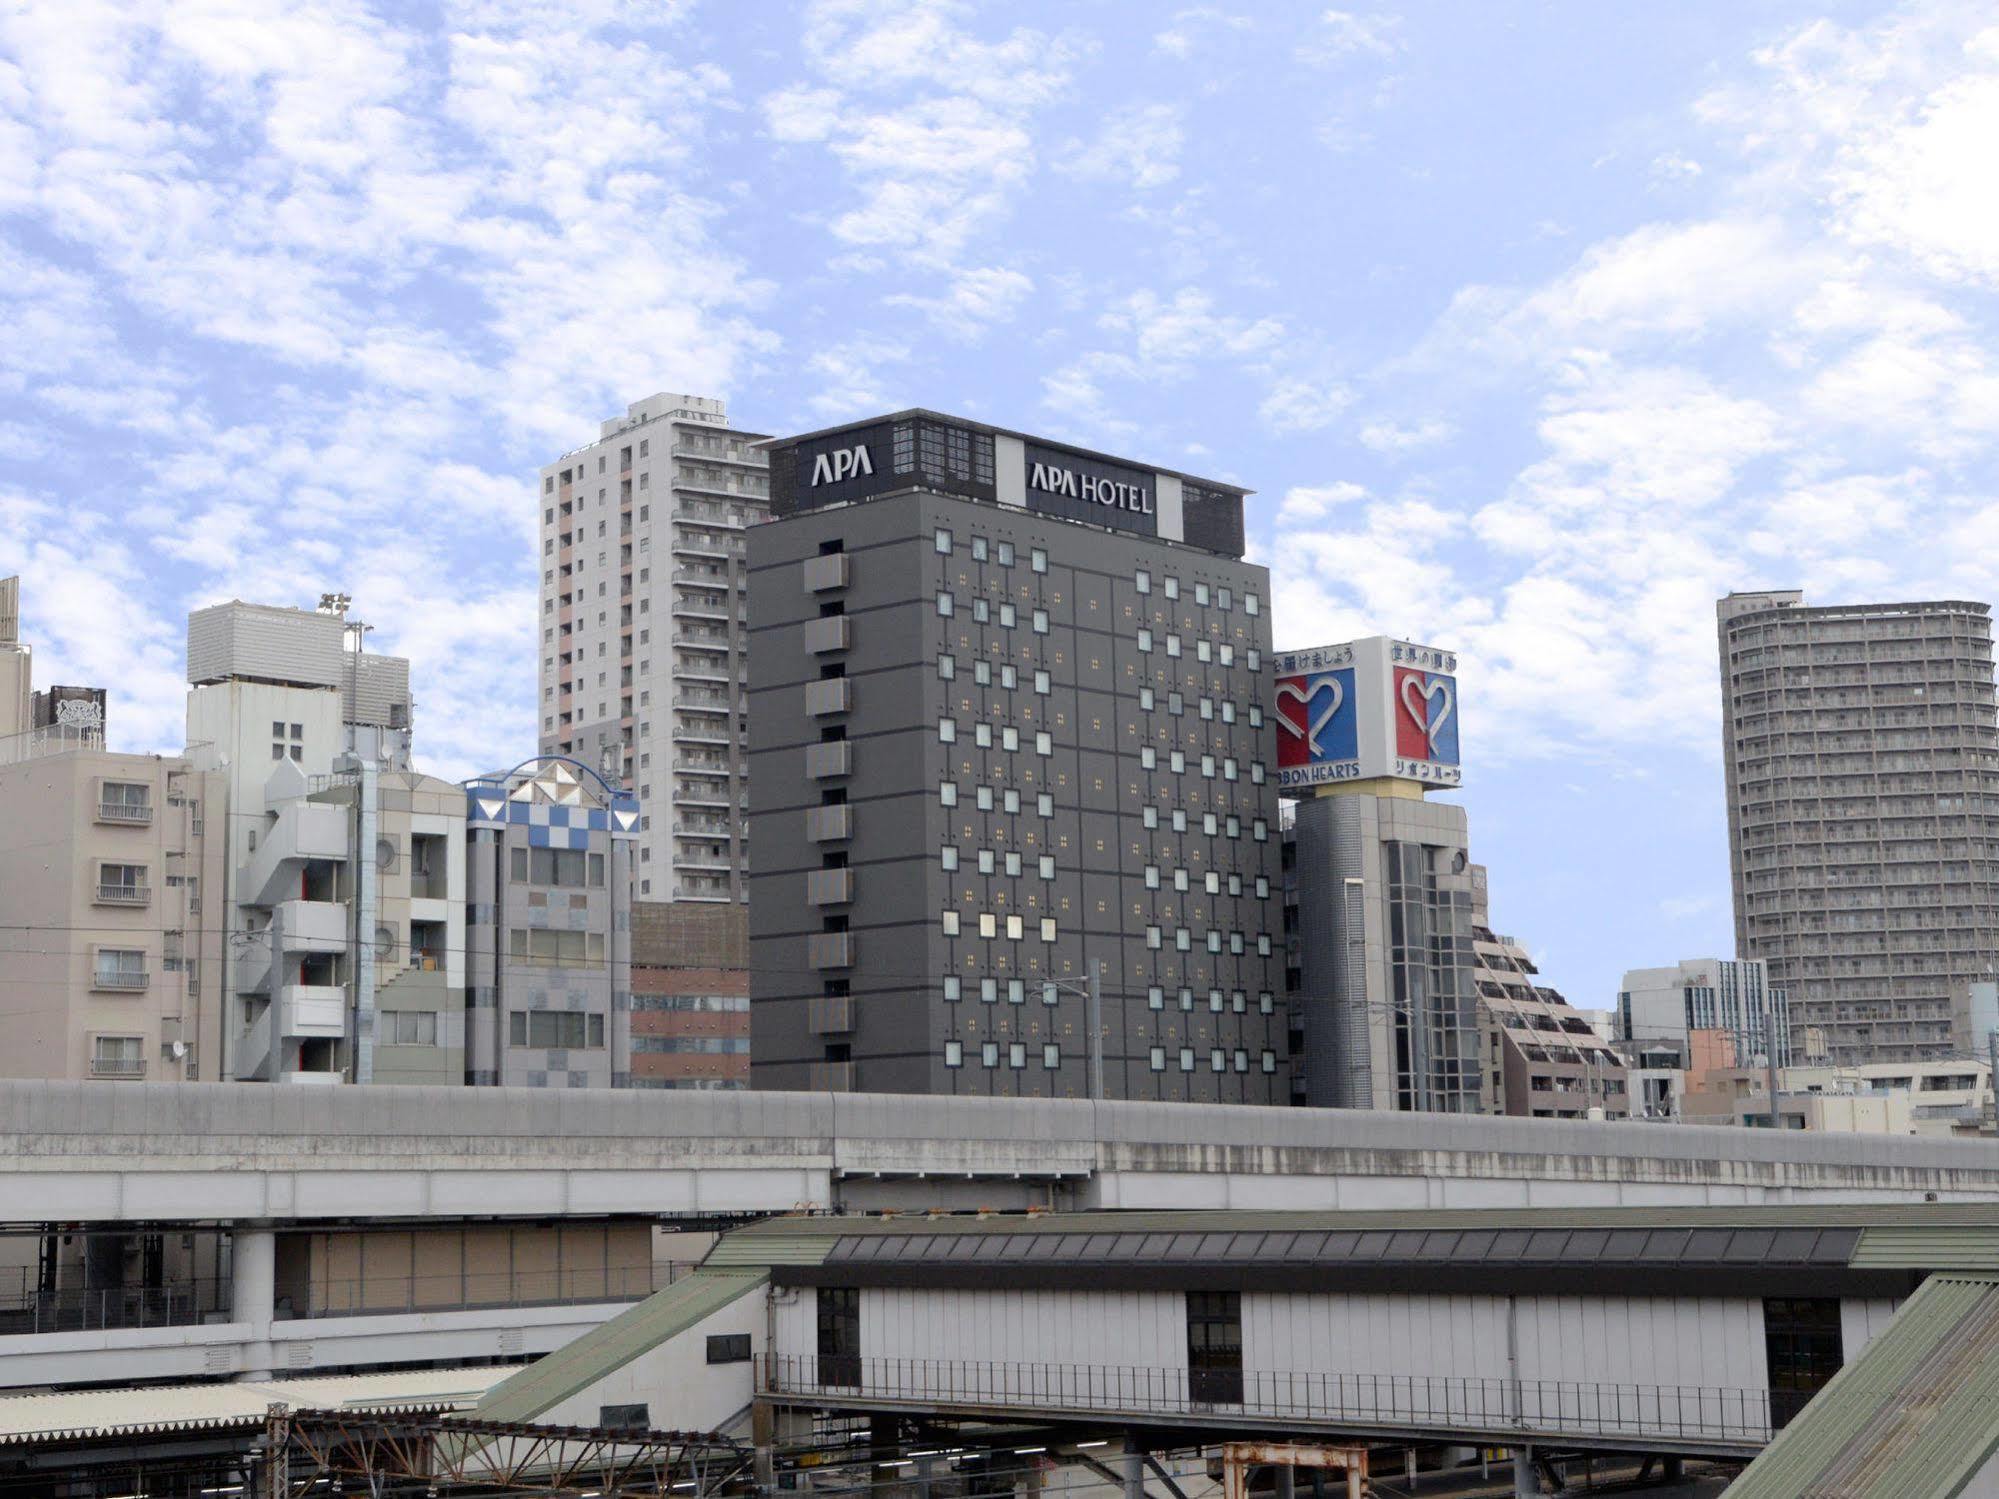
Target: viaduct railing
[{"x": 1692, "y": 1416}]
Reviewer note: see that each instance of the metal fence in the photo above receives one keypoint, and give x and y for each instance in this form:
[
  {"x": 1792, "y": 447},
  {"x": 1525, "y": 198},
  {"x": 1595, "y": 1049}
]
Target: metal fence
[
  {"x": 1415, "y": 1402},
  {"x": 29, "y": 1309}
]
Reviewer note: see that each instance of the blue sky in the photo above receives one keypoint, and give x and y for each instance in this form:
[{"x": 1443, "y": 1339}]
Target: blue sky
[{"x": 1535, "y": 326}]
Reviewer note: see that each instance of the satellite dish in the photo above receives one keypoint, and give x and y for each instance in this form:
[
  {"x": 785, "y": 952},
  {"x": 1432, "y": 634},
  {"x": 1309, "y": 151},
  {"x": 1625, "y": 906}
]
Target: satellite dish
[{"x": 178, "y": 1049}]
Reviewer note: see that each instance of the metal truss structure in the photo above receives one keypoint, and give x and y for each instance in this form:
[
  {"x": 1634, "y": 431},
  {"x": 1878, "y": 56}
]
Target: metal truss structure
[{"x": 386, "y": 1454}]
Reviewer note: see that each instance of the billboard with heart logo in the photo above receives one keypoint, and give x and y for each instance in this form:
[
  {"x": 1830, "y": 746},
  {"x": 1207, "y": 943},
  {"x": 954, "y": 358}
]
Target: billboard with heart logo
[{"x": 1366, "y": 709}]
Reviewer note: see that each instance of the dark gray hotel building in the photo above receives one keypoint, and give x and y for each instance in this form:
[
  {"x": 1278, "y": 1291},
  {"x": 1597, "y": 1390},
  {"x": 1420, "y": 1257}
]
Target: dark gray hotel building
[{"x": 1007, "y": 729}]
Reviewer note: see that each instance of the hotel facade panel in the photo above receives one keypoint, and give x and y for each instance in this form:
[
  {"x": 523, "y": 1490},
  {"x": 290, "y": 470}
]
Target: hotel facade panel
[{"x": 1007, "y": 732}]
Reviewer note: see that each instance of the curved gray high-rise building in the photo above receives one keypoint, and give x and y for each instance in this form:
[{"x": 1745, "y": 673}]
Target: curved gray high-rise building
[{"x": 1862, "y": 755}]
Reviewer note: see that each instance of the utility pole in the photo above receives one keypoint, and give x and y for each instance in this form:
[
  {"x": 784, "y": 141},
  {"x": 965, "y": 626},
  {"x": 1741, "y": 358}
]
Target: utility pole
[{"x": 1097, "y": 1031}]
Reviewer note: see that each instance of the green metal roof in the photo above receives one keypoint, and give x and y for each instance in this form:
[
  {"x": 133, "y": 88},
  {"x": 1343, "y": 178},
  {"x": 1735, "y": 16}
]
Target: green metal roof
[
  {"x": 1914, "y": 1417},
  {"x": 1927, "y": 1247},
  {"x": 610, "y": 1346}
]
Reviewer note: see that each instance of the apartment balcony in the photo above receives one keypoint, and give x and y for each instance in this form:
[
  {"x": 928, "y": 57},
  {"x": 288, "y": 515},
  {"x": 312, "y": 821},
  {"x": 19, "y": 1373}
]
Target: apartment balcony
[
  {"x": 311, "y": 925},
  {"x": 829, "y": 824},
  {"x": 118, "y": 1067},
  {"x": 827, "y": 572},
  {"x": 694, "y": 827},
  {"x": 690, "y": 608},
  {"x": 832, "y": 632},
  {"x": 123, "y": 895},
  {"x": 125, "y": 813},
  {"x": 704, "y": 640},
  {"x": 691, "y": 577},
  {"x": 704, "y": 670},
  {"x": 695, "y": 455},
  {"x": 703, "y": 863},
  {"x": 830, "y": 1014},
  {"x": 701, "y": 546},
  {"x": 710, "y": 769},
  {"x": 701, "y": 734},
  {"x": 826, "y": 760},
  {"x": 829, "y": 887},
  {"x": 830, "y": 950},
  {"x": 714, "y": 515},
  {"x": 691, "y": 794},
  {"x": 829, "y": 695},
  {"x": 312, "y": 1009},
  {"x": 122, "y": 981},
  {"x": 831, "y": 1077}
]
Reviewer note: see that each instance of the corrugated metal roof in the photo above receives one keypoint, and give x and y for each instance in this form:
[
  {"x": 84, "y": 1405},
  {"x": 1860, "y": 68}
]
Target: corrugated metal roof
[
  {"x": 87, "y": 1413},
  {"x": 1971, "y": 1217},
  {"x": 747, "y": 1247},
  {"x": 1914, "y": 1417},
  {"x": 613, "y": 1344},
  {"x": 1936, "y": 1246}
]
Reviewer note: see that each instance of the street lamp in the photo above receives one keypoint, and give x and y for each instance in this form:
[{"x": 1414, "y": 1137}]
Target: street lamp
[{"x": 1091, "y": 989}]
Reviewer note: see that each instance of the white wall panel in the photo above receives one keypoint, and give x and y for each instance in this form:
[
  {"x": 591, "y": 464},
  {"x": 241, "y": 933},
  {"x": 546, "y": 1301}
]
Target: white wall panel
[{"x": 1863, "y": 1320}]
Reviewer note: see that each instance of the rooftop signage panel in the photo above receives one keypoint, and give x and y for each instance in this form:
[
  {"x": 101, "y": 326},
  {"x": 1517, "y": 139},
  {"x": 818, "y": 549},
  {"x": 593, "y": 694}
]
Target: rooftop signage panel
[
  {"x": 921, "y": 449},
  {"x": 1367, "y": 709}
]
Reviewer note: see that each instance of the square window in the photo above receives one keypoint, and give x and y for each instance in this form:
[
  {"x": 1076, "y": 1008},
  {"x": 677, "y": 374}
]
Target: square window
[
  {"x": 1041, "y": 621},
  {"x": 1047, "y": 866},
  {"x": 1145, "y": 699},
  {"x": 1016, "y": 991},
  {"x": 1142, "y": 581},
  {"x": 947, "y": 667},
  {"x": 1148, "y": 758},
  {"x": 943, "y": 543},
  {"x": 982, "y": 673},
  {"x": 1009, "y": 738},
  {"x": 948, "y": 858},
  {"x": 1010, "y": 800},
  {"x": 947, "y": 731},
  {"x": 1044, "y": 804},
  {"x": 1041, "y": 683},
  {"x": 1013, "y": 929},
  {"x": 1012, "y": 864},
  {"x": 1150, "y": 817},
  {"x": 1201, "y": 594},
  {"x": 945, "y": 605},
  {"x": 1144, "y": 641},
  {"x": 1044, "y": 743},
  {"x": 947, "y": 793},
  {"x": 1051, "y": 1055},
  {"x": 988, "y": 924},
  {"x": 1155, "y": 998},
  {"x": 1005, "y": 550},
  {"x": 982, "y": 735},
  {"x": 1038, "y": 560},
  {"x": 978, "y": 549},
  {"x": 950, "y": 923},
  {"x": 1006, "y": 616},
  {"x": 1016, "y": 1054},
  {"x": 1250, "y": 605},
  {"x": 954, "y": 1053},
  {"x": 1009, "y": 678},
  {"x": 1048, "y": 929},
  {"x": 981, "y": 614},
  {"x": 984, "y": 798},
  {"x": 1158, "y": 1059},
  {"x": 989, "y": 1054},
  {"x": 988, "y": 991},
  {"x": 985, "y": 861},
  {"x": 1186, "y": 1059},
  {"x": 952, "y": 988}
]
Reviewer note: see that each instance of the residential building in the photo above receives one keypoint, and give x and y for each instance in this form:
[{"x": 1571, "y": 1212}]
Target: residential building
[
  {"x": 548, "y": 969},
  {"x": 1710, "y": 994},
  {"x": 1384, "y": 999},
  {"x": 1543, "y": 1058},
  {"x": 16, "y": 664},
  {"x": 643, "y": 629},
  {"x": 280, "y": 700},
  {"x": 1012, "y": 772},
  {"x": 1861, "y": 746},
  {"x": 1949, "y": 1096},
  {"x": 353, "y": 962},
  {"x": 690, "y": 995},
  {"x": 109, "y": 966}
]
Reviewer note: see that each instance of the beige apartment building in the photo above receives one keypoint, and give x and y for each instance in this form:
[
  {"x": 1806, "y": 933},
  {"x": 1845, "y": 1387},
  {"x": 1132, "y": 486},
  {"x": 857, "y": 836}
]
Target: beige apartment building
[{"x": 108, "y": 966}]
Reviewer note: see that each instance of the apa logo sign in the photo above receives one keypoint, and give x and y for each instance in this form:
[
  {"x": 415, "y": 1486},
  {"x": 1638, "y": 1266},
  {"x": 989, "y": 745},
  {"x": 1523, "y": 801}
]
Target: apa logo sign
[
  {"x": 1318, "y": 719},
  {"x": 1426, "y": 716},
  {"x": 841, "y": 463}
]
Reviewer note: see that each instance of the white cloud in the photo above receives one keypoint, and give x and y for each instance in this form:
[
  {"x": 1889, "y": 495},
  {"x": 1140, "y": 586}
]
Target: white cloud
[
  {"x": 1395, "y": 438},
  {"x": 1317, "y": 502},
  {"x": 1303, "y": 405},
  {"x": 1345, "y": 33},
  {"x": 1139, "y": 144},
  {"x": 1181, "y": 37},
  {"x": 973, "y": 301}
]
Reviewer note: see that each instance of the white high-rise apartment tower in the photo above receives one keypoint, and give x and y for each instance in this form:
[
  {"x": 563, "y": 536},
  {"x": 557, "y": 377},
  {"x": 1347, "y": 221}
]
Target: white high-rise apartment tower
[
  {"x": 1861, "y": 744},
  {"x": 644, "y": 627}
]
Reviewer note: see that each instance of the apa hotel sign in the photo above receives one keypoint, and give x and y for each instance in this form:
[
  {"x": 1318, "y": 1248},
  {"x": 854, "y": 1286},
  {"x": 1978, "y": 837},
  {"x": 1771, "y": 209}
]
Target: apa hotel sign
[{"x": 1370, "y": 708}]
